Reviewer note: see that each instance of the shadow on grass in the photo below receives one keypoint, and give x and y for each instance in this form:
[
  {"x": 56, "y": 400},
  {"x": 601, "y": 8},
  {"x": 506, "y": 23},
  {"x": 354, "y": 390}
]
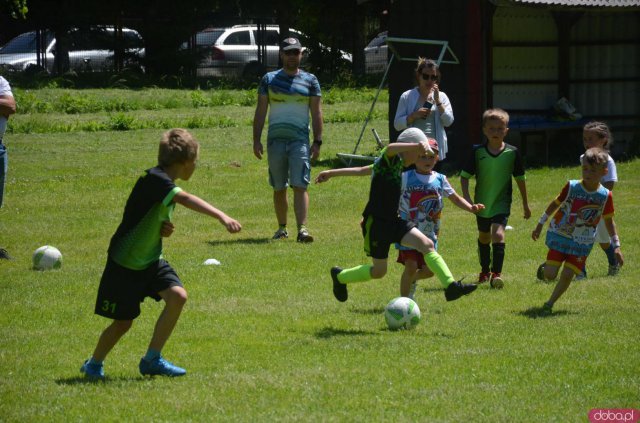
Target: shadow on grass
[
  {"x": 330, "y": 332},
  {"x": 248, "y": 241},
  {"x": 81, "y": 380},
  {"x": 540, "y": 313}
]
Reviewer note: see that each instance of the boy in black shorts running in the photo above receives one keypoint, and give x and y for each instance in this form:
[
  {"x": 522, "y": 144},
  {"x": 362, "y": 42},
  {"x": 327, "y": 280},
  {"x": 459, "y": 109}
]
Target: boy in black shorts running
[
  {"x": 135, "y": 268},
  {"x": 382, "y": 226}
]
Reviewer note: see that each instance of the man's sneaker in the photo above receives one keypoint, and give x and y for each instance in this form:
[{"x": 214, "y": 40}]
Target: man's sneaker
[
  {"x": 339, "y": 289},
  {"x": 303, "y": 236},
  {"x": 496, "y": 281},
  {"x": 457, "y": 289},
  {"x": 540, "y": 272},
  {"x": 412, "y": 290},
  {"x": 614, "y": 269},
  {"x": 484, "y": 277},
  {"x": 92, "y": 371},
  {"x": 160, "y": 366},
  {"x": 4, "y": 254},
  {"x": 582, "y": 275},
  {"x": 281, "y": 233}
]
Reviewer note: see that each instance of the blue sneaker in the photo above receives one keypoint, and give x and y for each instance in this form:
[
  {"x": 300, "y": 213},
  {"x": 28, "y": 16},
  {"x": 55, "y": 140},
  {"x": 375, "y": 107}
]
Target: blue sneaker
[
  {"x": 92, "y": 371},
  {"x": 160, "y": 366}
]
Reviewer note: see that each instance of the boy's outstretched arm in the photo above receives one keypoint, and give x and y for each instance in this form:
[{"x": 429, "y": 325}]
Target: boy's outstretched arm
[
  {"x": 522, "y": 186},
  {"x": 195, "y": 203},
  {"x": 615, "y": 240},
  {"x": 551, "y": 208},
  {"x": 464, "y": 204},
  {"x": 325, "y": 175},
  {"x": 396, "y": 148}
]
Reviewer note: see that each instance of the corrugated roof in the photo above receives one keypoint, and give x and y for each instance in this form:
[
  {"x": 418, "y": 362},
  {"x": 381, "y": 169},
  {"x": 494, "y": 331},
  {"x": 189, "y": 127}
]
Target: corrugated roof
[{"x": 575, "y": 3}]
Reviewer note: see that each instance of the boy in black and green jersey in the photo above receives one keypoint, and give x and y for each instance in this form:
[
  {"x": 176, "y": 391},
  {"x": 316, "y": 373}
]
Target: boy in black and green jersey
[
  {"x": 135, "y": 268},
  {"x": 381, "y": 224},
  {"x": 493, "y": 164}
]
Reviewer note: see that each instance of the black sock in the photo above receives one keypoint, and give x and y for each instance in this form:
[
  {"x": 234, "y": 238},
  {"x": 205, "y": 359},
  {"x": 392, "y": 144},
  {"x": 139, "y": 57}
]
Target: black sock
[
  {"x": 498, "y": 257},
  {"x": 484, "y": 254}
]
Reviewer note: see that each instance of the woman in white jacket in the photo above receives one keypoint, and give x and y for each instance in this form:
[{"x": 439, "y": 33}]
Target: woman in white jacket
[{"x": 425, "y": 106}]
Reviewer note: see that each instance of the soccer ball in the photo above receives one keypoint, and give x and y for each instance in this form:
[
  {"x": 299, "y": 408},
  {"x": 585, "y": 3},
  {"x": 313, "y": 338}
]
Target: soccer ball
[
  {"x": 46, "y": 258},
  {"x": 402, "y": 313}
]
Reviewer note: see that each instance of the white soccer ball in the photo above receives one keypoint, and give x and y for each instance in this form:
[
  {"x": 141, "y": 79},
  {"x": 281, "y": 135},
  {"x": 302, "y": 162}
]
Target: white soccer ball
[
  {"x": 402, "y": 313},
  {"x": 46, "y": 258}
]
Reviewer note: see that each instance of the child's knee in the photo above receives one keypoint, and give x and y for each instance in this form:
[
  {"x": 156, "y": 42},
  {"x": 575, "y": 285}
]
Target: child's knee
[
  {"x": 484, "y": 237},
  {"x": 175, "y": 296},
  {"x": 550, "y": 272},
  {"x": 378, "y": 272}
]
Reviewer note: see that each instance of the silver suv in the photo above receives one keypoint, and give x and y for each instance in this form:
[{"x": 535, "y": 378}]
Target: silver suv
[
  {"x": 233, "y": 52},
  {"x": 376, "y": 54},
  {"x": 89, "y": 50}
]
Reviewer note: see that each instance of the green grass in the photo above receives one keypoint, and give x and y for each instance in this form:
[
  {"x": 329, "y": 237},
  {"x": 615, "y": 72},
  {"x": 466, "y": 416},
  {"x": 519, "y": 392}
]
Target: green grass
[{"x": 261, "y": 336}]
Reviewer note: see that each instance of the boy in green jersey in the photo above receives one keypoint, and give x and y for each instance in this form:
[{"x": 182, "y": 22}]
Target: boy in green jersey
[
  {"x": 135, "y": 268},
  {"x": 493, "y": 164}
]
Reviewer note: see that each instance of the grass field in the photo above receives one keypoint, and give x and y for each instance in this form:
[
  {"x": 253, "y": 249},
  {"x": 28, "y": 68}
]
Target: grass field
[{"x": 262, "y": 337}]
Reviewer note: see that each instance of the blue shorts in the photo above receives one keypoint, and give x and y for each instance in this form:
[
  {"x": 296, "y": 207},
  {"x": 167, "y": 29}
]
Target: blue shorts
[
  {"x": 122, "y": 290},
  {"x": 288, "y": 164}
]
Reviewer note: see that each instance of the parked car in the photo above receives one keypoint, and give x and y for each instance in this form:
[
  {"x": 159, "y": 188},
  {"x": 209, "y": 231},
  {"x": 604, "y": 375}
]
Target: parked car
[
  {"x": 376, "y": 54},
  {"x": 89, "y": 50},
  {"x": 233, "y": 52}
]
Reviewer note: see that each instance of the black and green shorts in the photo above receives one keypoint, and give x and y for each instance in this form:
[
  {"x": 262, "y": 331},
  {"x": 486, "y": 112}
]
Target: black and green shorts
[
  {"x": 379, "y": 234},
  {"x": 122, "y": 290}
]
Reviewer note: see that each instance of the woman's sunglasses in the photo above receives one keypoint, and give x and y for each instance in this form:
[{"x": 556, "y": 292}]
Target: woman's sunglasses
[{"x": 427, "y": 77}]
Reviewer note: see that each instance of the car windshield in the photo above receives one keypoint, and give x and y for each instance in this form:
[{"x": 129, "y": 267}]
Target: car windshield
[
  {"x": 206, "y": 38},
  {"x": 23, "y": 43},
  {"x": 379, "y": 40}
]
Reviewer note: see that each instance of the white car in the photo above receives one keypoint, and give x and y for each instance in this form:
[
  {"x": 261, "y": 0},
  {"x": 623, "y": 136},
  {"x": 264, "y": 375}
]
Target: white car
[
  {"x": 376, "y": 54},
  {"x": 233, "y": 52},
  {"x": 89, "y": 50}
]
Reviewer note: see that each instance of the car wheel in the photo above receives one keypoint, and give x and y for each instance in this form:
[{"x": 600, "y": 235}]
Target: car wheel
[{"x": 253, "y": 72}]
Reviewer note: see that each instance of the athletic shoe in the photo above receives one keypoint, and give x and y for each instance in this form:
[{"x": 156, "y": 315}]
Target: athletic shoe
[
  {"x": 303, "y": 236},
  {"x": 614, "y": 269},
  {"x": 540, "y": 272},
  {"x": 339, "y": 289},
  {"x": 457, "y": 289},
  {"x": 582, "y": 275},
  {"x": 92, "y": 371},
  {"x": 160, "y": 366},
  {"x": 4, "y": 254},
  {"x": 496, "y": 281},
  {"x": 412, "y": 290},
  {"x": 484, "y": 277},
  {"x": 281, "y": 233}
]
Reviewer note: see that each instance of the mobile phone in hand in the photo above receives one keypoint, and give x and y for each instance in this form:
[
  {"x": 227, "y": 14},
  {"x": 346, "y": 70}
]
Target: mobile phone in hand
[{"x": 427, "y": 105}]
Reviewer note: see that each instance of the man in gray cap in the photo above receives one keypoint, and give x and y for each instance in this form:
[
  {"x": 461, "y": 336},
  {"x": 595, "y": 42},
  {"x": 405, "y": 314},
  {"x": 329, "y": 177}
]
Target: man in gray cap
[{"x": 290, "y": 94}]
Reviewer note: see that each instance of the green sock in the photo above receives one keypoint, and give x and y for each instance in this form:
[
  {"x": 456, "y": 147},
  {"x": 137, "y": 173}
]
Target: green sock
[
  {"x": 439, "y": 267},
  {"x": 360, "y": 273}
]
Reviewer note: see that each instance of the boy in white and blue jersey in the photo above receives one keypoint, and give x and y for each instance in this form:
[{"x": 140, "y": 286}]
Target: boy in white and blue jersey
[
  {"x": 572, "y": 231},
  {"x": 290, "y": 95},
  {"x": 421, "y": 202}
]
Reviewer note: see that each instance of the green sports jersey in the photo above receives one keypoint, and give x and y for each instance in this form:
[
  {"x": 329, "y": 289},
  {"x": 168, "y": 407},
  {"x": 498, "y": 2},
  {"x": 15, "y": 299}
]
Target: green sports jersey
[
  {"x": 384, "y": 194},
  {"x": 137, "y": 242},
  {"x": 493, "y": 177}
]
